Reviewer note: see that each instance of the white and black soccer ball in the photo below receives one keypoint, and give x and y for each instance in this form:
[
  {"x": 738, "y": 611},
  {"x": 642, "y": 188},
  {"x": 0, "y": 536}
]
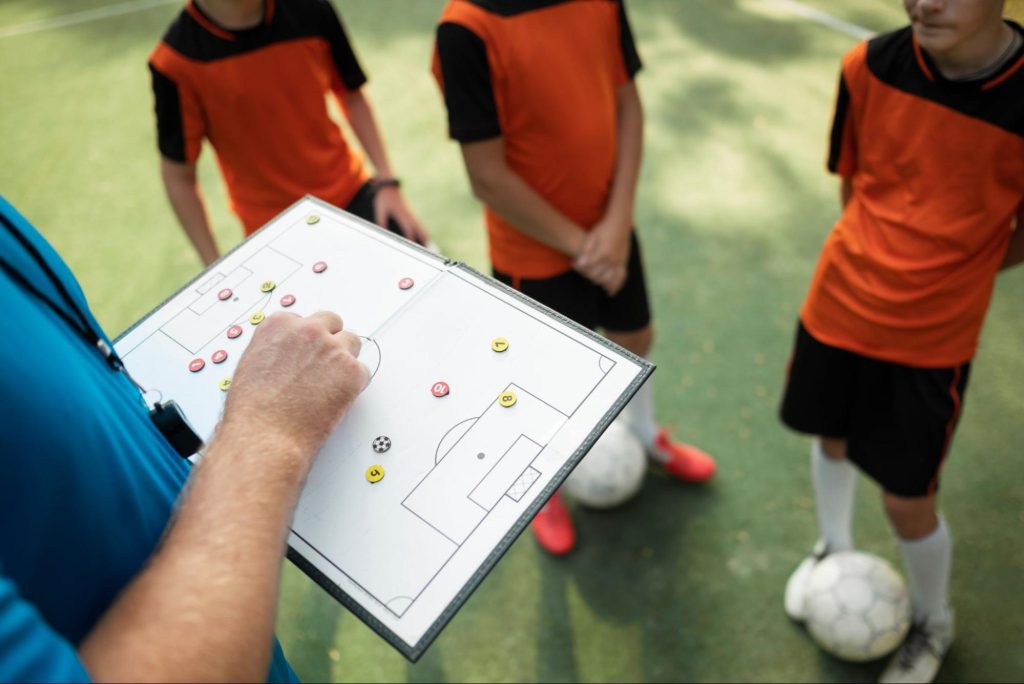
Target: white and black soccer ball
[
  {"x": 857, "y": 606},
  {"x": 381, "y": 444},
  {"x": 612, "y": 472}
]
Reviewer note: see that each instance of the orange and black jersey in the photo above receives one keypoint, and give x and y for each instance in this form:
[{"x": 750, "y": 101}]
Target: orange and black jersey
[
  {"x": 466, "y": 70},
  {"x": 937, "y": 173},
  {"x": 543, "y": 75},
  {"x": 259, "y": 96}
]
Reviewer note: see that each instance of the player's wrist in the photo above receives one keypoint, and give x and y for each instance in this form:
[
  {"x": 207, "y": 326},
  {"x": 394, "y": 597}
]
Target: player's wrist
[
  {"x": 618, "y": 216},
  {"x": 575, "y": 243},
  {"x": 619, "y": 226},
  {"x": 386, "y": 181}
]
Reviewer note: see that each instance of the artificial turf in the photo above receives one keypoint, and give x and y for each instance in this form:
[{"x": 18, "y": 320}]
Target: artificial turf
[{"x": 683, "y": 583}]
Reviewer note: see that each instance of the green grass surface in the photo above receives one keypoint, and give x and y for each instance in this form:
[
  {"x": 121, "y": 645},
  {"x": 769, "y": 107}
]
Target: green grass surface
[{"x": 683, "y": 582}]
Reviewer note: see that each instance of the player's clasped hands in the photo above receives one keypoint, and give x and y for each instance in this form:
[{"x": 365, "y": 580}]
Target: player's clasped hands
[
  {"x": 604, "y": 255},
  {"x": 296, "y": 380}
]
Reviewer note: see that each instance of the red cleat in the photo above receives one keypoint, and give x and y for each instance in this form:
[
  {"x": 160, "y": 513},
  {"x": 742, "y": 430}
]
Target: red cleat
[
  {"x": 553, "y": 528},
  {"x": 683, "y": 461}
]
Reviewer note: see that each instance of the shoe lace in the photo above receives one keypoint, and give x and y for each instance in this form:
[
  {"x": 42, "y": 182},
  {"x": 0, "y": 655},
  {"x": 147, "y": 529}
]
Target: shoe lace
[{"x": 916, "y": 644}]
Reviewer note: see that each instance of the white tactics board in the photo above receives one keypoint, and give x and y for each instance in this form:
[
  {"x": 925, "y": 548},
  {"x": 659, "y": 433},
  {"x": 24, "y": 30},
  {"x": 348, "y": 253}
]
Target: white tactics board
[{"x": 463, "y": 473}]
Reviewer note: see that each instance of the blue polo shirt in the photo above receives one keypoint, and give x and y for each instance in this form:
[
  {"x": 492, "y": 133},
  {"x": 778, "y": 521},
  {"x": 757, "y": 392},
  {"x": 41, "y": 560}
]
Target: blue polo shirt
[{"x": 87, "y": 483}]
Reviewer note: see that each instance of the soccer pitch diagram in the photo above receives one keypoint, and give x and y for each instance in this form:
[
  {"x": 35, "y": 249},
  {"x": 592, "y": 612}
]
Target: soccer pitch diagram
[{"x": 480, "y": 403}]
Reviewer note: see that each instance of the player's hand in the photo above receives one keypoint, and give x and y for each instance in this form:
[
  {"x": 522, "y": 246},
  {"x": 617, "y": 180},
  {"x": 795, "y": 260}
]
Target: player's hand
[
  {"x": 609, "y": 278},
  {"x": 605, "y": 254},
  {"x": 390, "y": 204},
  {"x": 296, "y": 380}
]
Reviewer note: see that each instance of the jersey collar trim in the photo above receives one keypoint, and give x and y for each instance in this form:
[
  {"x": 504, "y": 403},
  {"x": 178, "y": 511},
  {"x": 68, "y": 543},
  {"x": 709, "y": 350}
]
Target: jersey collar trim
[
  {"x": 922, "y": 61},
  {"x": 211, "y": 26},
  {"x": 1012, "y": 66}
]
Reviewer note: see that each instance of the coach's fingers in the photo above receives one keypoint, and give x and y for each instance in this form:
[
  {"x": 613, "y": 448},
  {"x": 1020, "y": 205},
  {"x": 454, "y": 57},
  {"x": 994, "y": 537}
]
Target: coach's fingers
[
  {"x": 365, "y": 376},
  {"x": 329, "y": 320},
  {"x": 352, "y": 343}
]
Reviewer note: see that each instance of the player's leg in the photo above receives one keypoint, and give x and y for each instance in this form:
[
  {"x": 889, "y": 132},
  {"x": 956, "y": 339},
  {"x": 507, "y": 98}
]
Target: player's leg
[
  {"x": 639, "y": 413},
  {"x": 927, "y": 550},
  {"x": 626, "y": 320},
  {"x": 834, "y": 480},
  {"x": 933, "y": 400},
  {"x": 683, "y": 461},
  {"x": 820, "y": 387},
  {"x": 573, "y": 296}
]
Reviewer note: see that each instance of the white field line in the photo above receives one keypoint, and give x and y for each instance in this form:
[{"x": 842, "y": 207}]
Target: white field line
[
  {"x": 98, "y": 13},
  {"x": 82, "y": 17},
  {"x": 823, "y": 18}
]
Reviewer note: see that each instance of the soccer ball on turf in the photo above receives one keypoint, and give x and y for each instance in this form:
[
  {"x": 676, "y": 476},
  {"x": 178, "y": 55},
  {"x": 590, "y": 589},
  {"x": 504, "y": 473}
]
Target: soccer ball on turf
[
  {"x": 612, "y": 472},
  {"x": 857, "y": 606}
]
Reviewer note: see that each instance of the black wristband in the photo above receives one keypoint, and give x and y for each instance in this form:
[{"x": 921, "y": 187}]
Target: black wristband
[{"x": 386, "y": 183}]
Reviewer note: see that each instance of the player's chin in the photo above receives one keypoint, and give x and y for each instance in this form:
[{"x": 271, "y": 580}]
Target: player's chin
[{"x": 934, "y": 39}]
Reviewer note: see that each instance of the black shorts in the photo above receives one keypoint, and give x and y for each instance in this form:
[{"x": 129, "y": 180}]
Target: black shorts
[
  {"x": 575, "y": 297},
  {"x": 362, "y": 206},
  {"x": 897, "y": 421}
]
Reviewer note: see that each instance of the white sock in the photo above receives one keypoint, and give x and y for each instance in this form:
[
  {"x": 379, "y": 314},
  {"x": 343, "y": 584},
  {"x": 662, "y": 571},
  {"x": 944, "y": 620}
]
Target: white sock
[
  {"x": 639, "y": 415},
  {"x": 835, "y": 483},
  {"x": 928, "y": 562}
]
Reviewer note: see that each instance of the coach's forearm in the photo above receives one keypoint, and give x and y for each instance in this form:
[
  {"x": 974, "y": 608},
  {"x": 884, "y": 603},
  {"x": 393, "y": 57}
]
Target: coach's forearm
[
  {"x": 187, "y": 201},
  {"x": 204, "y": 608},
  {"x": 501, "y": 189}
]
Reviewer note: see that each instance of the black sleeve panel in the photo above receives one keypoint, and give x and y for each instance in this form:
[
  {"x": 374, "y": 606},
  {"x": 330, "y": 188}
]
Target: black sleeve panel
[
  {"x": 839, "y": 125},
  {"x": 341, "y": 49},
  {"x": 466, "y": 78},
  {"x": 169, "y": 126},
  {"x": 630, "y": 56}
]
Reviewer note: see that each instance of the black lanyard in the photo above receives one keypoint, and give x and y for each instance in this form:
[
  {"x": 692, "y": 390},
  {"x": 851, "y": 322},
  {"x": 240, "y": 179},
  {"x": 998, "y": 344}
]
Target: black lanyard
[
  {"x": 81, "y": 326},
  {"x": 167, "y": 416}
]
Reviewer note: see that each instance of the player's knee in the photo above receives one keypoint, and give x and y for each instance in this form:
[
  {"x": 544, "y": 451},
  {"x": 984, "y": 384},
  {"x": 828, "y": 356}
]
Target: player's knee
[
  {"x": 637, "y": 341},
  {"x": 647, "y": 338},
  {"x": 833, "y": 447},
  {"x": 910, "y": 517}
]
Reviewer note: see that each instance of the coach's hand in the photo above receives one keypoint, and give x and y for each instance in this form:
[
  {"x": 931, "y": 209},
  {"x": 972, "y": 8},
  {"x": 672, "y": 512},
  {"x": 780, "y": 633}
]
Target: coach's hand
[{"x": 293, "y": 384}]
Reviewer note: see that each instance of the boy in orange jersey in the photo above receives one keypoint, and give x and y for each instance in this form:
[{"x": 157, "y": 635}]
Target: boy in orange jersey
[
  {"x": 928, "y": 141},
  {"x": 252, "y": 77},
  {"x": 540, "y": 95}
]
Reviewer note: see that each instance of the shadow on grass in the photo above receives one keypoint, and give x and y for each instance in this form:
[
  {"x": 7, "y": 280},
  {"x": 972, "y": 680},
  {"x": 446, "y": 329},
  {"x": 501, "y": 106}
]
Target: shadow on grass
[
  {"x": 311, "y": 644},
  {"x": 729, "y": 29},
  {"x": 429, "y": 668},
  {"x": 556, "y": 657},
  {"x": 833, "y": 669},
  {"x": 621, "y": 569}
]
